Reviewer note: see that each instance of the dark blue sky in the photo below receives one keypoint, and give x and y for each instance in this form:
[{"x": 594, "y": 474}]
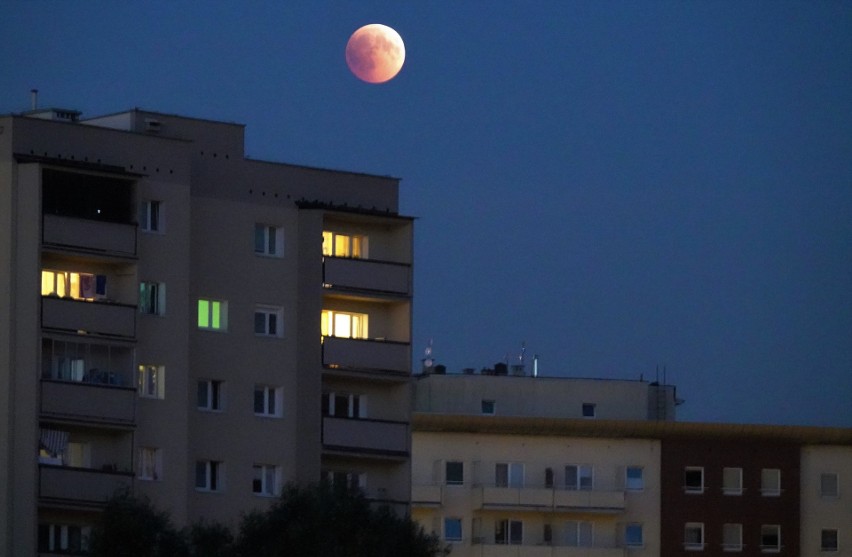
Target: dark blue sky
[{"x": 620, "y": 185}]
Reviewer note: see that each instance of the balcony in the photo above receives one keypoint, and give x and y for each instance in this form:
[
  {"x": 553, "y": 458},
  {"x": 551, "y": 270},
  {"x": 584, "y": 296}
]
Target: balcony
[
  {"x": 367, "y": 355},
  {"x": 550, "y": 500},
  {"x": 364, "y": 274},
  {"x": 88, "y": 402},
  {"x": 497, "y": 550},
  {"x": 79, "y": 486},
  {"x": 378, "y": 437},
  {"x": 101, "y": 318},
  {"x": 427, "y": 495},
  {"x": 108, "y": 238}
]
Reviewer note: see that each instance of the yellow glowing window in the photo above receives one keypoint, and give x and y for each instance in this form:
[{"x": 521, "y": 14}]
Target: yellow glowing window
[
  {"x": 342, "y": 245},
  {"x": 344, "y": 324},
  {"x": 212, "y": 315},
  {"x": 67, "y": 284}
]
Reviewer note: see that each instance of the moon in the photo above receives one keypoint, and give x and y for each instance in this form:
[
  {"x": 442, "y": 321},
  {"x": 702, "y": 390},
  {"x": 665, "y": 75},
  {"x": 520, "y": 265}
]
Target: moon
[{"x": 375, "y": 53}]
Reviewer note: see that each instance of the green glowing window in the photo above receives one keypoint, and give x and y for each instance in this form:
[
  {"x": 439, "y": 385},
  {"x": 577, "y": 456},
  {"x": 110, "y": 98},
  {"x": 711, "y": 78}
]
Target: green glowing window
[{"x": 212, "y": 315}]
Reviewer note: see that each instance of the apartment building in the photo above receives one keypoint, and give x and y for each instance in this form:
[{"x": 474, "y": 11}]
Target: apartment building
[
  {"x": 197, "y": 326},
  {"x": 826, "y": 500}
]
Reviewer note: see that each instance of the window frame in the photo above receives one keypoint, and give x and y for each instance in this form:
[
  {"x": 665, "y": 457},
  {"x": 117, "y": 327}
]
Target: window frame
[
  {"x": 738, "y": 545},
  {"x": 358, "y": 325},
  {"x": 822, "y": 539},
  {"x": 511, "y": 475},
  {"x": 736, "y": 489},
  {"x": 145, "y": 384},
  {"x": 214, "y": 476},
  {"x": 269, "y": 474},
  {"x": 579, "y": 528},
  {"x": 836, "y": 478},
  {"x": 488, "y": 407},
  {"x": 150, "y": 464},
  {"x": 152, "y": 216},
  {"x": 273, "y": 318},
  {"x": 630, "y": 530},
  {"x": 693, "y": 527},
  {"x": 590, "y": 410},
  {"x": 357, "y": 245},
  {"x": 692, "y": 489},
  {"x": 769, "y": 490},
  {"x": 270, "y": 239},
  {"x": 460, "y": 469},
  {"x": 214, "y": 393},
  {"x": 211, "y": 315},
  {"x": 356, "y": 405},
  {"x": 272, "y": 396},
  {"x": 456, "y": 521},
  {"x": 641, "y": 479},
  {"x": 507, "y": 526},
  {"x": 765, "y": 548},
  {"x": 580, "y": 473},
  {"x": 152, "y": 304}
]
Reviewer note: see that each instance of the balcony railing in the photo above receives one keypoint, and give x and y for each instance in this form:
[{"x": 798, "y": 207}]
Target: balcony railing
[
  {"x": 90, "y": 235},
  {"x": 364, "y": 274},
  {"x": 91, "y": 317},
  {"x": 88, "y": 401},
  {"x": 367, "y": 436},
  {"x": 489, "y": 549},
  {"x": 79, "y": 486},
  {"x": 548, "y": 499},
  {"x": 368, "y": 355}
]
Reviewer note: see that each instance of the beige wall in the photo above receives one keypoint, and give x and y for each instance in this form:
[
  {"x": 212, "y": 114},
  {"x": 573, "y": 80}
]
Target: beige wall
[
  {"x": 820, "y": 512},
  {"x": 480, "y": 453}
]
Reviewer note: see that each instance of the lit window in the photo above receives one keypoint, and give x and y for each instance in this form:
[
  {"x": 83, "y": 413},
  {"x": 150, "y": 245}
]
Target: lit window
[
  {"x": 268, "y": 240},
  {"x": 68, "y": 284},
  {"x": 770, "y": 538},
  {"x": 344, "y": 324},
  {"x": 64, "y": 539},
  {"x": 634, "y": 478},
  {"x": 209, "y": 475},
  {"x": 151, "y": 216},
  {"x": 150, "y": 463},
  {"x": 732, "y": 481},
  {"x": 633, "y": 535},
  {"x": 828, "y": 485},
  {"x": 579, "y": 534},
  {"x": 828, "y": 540},
  {"x": 152, "y": 298},
  {"x": 732, "y": 537},
  {"x": 344, "y": 405},
  {"x": 152, "y": 381},
  {"x": 693, "y": 536},
  {"x": 454, "y": 473},
  {"x": 770, "y": 482},
  {"x": 579, "y": 477},
  {"x": 212, "y": 315},
  {"x": 509, "y": 474},
  {"x": 693, "y": 479},
  {"x": 588, "y": 410},
  {"x": 489, "y": 407},
  {"x": 268, "y": 401},
  {"x": 342, "y": 245},
  {"x": 509, "y": 532},
  {"x": 453, "y": 529},
  {"x": 266, "y": 480},
  {"x": 268, "y": 321},
  {"x": 210, "y": 395}
]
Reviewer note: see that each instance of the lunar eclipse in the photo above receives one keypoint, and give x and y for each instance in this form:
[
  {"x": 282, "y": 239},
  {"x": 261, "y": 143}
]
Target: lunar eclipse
[{"x": 375, "y": 53}]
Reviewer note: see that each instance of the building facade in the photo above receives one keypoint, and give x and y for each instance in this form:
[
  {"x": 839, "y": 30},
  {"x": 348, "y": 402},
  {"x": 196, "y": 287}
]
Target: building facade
[{"x": 191, "y": 324}]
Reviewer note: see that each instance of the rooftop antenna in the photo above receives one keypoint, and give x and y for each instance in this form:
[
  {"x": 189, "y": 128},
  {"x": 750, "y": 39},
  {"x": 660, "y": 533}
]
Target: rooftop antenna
[
  {"x": 428, "y": 361},
  {"x": 34, "y": 98}
]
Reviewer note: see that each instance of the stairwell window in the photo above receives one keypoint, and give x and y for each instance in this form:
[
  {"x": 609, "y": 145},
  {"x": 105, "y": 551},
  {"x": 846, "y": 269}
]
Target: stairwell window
[
  {"x": 344, "y": 324},
  {"x": 152, "y": 381},
  {"x": 344, "y": 245},
  {"x": 268, "y": 240},
  {"x": 212, "y": 315},
  {"x": 152, "y": 298},
  {"x": 151, "y": 216}
]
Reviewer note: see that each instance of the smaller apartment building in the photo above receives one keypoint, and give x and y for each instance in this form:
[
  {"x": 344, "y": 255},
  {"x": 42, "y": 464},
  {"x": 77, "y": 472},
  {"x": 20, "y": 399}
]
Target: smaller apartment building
[{"x": 826, "y": 500}]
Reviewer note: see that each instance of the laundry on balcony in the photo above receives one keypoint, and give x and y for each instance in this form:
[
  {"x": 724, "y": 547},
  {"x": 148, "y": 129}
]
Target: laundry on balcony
[{"x": 53, "y": 441}]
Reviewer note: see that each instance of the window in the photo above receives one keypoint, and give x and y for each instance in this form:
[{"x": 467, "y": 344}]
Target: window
[
  {"x": 693, "y": 536},
  {"x": 266, "y": 480},
  {"x": 77, "y": 286},
  {"x": 693, "y": 479},
  {"x": 341, "y": 245},
  {"x": 732, "y": 537},
  {"x": 268, "y": 240},
  {"x": 268, "y": 321},
  {"x": 732, "y": 481},
  {"x": 548, "y": 478},
  {"x": 770, "y": 538},
  {"x": 579, "y": 534},
  {"x": 151, "y": 216},
  {"x": 579, "y": 476},
  {"x": 453, "y": 529},
  {"x": 509, "y": 474},
  {"x": 341, "y": 478},
  {"x": 547, "y": 534},
  {"x": 344, "y": 405},
  {"x": 152, "y": 298},
  {"x": 212, "y": 315},
  {"x": 210, "y": 395},
  {"x": 78, "y": 455},
  {"x": 828, "y": 540},
  {"x": 344, "y": 324},
  {"x": 152, "y": 381},
  {"x": 770, "y": 482},
  {"x": 828, "y": 485},
  {"x": 509, "y": 532},
  {"x": 454, "y": 473},
  {"x": 489, "y": 407},
  {"x": 633, "y": 536},
  {"x": 268, "y": 401},
  {"x": 68, "y": 539},
  {"x": 209, "y": 475},
  {"x": 150, "y": 464},
  {"x": 635, "y": 480},
  {"x": 588, "y": 410}
]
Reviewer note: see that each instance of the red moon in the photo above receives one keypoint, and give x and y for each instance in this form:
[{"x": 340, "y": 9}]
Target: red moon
[{"x": 375, "y": 53}]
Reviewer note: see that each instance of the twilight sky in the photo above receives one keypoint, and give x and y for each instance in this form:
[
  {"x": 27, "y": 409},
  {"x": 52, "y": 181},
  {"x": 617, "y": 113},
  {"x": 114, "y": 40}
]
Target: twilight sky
[{"x": 621, "y": 185}]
